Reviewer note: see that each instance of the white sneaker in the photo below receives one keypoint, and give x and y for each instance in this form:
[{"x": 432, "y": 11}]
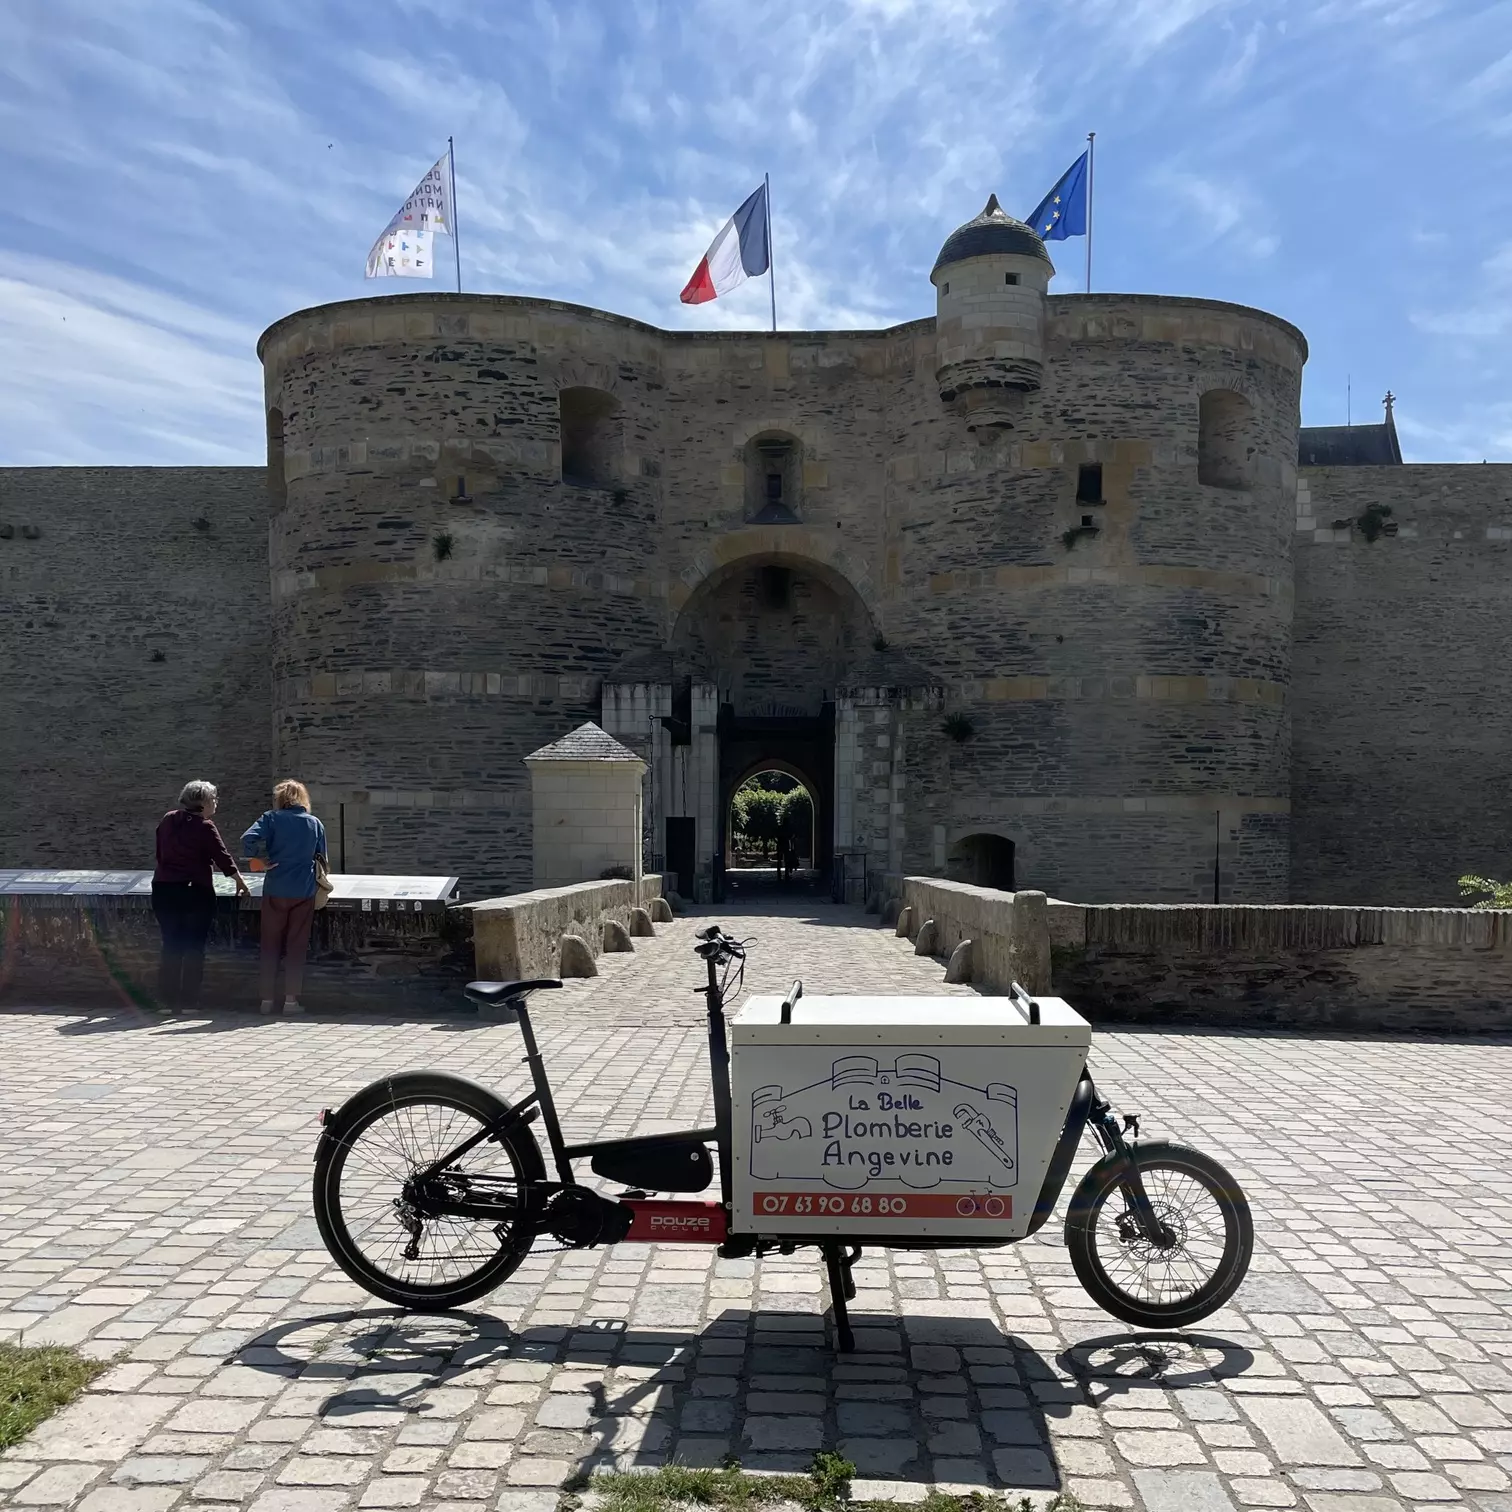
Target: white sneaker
[
  {"x": 292, "y": 1005},
  {"x": 266, "y": 1006}
]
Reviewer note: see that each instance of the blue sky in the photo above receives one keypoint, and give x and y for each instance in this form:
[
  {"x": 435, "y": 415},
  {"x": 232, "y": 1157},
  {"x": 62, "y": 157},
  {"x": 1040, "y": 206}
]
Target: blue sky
[{"x": 180, "y": 174}]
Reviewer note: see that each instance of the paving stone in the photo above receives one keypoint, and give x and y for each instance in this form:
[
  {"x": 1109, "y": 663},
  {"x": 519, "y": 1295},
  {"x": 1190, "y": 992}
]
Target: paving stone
[
  {"x": 252, "y": 1357},
  {"x": 1298, "y": 1432},
  {"x": 153, "y": 1499},
  {"x": 228, "y": 1485},
  {"x": 1023, "y": 1467},
  {"x": 1159, "y": 1448},
  {"x": 863, "y": 1419},
  {"x": 1267, "y": 1492},
  {"x": 880, "y": 1456},
  {"x": 54, "y": 1486},
  {"x": 282, "y": 1499},
  {"x": 1182, "y": 1491},
  {"x": 1420, "y": 1486},
  {"x": 98, "y": 1427}
]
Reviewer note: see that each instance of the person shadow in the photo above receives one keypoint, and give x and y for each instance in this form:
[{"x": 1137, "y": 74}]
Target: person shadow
[{"x": 923, "y": 1400}]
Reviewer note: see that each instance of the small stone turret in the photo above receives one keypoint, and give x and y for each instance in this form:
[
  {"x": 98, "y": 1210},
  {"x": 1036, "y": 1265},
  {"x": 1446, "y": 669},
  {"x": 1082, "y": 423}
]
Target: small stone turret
[{"x": 990, "y": 279}]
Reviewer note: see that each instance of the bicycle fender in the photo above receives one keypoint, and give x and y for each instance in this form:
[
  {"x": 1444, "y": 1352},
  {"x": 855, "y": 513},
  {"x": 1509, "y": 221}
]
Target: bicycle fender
[{"x": 1065, "y": 1153}]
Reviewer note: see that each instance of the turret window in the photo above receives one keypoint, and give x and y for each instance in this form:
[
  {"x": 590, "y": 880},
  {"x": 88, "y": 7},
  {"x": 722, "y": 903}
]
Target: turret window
[
  {"x": 591, "y": 427},
  {"x": 1225, "y": 440},
  {"x": 278, "y": 489},
  {"x": 1010, "y": 278},
  {"x": 773, "y": 468},
  {"x": 1089, "y": 484}
]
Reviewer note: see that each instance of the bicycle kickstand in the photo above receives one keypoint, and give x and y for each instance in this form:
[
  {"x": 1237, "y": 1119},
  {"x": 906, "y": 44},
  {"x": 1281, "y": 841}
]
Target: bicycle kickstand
[{"x": 838, "y": 1263}]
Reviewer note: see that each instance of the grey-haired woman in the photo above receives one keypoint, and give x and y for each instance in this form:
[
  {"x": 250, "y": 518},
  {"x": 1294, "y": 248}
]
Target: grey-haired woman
[{"x": 183, "y": 893}]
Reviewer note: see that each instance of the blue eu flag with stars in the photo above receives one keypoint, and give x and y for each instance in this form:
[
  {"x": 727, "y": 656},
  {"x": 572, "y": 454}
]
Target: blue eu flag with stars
[{"x": 1063, "y": 212}]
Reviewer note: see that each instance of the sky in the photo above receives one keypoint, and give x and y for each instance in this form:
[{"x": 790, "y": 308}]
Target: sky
[{"x": 181, "y": 174}]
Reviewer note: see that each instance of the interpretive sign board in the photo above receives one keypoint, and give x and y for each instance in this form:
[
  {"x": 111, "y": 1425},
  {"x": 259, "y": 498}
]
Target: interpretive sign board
[
  {"x": 933, "y": 1117},
  {"x": 369, "y": 893}
]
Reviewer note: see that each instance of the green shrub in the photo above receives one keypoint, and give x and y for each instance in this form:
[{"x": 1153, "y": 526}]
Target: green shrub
[{"x": 1499, "y": 893}]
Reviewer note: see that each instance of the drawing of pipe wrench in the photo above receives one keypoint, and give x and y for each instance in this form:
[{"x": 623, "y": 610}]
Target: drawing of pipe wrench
[{"x": 979, "y": 1125}]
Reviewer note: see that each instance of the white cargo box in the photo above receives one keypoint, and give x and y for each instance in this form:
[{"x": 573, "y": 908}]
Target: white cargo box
[{"x": 920, "y": 1117}]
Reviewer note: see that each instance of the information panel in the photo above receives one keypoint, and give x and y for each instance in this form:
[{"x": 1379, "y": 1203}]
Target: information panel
[{"x": 376, "y": 894}]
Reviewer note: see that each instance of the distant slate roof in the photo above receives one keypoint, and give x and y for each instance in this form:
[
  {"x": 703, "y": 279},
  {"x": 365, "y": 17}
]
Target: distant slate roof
[
  {"x": 1348, "y": 446},
  {"x": 586, "y": 743}
]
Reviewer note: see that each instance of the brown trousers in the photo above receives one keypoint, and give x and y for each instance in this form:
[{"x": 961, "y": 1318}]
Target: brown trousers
[{"x": 285, "y": 934}]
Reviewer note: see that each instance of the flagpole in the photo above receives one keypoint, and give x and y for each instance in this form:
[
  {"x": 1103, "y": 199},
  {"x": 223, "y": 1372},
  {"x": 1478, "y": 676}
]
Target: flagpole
[
  {"x": 766, "y": 180},
  {"x": 1091, "y": 143},
  {"x": 451, "y": 163}
]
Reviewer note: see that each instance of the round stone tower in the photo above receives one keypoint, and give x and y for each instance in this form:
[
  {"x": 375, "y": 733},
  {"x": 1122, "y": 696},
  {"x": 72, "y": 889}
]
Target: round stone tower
[
  {"x": 991, "y": 279},
  {"x": 462, "y": 545}
]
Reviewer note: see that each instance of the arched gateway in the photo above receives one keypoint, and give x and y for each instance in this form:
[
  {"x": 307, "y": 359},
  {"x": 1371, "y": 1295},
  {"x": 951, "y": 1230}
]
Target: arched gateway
[{"x": 774, "y": 660}]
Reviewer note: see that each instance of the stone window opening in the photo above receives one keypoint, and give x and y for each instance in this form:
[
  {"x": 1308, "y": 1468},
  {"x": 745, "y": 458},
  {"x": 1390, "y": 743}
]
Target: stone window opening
[
  {"x": 1089, "y": 484},
  {"x": 773, "y": 468},
  {"x": 776, "y": 587},
  {"x": 1010, "y": 278},
  {"x": 983, "y": 860},
  {"x": 278, "y": 488},
  {"x": 1225, "y": 440},
  {"x": 591, "y": 434}
]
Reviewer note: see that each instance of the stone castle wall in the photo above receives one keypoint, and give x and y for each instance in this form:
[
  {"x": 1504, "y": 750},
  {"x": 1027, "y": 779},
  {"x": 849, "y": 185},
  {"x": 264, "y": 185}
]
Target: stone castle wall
[
  {"x": 1127, "y": 693},
  {"x": 134, "y": 656},
  {"x": 1402, "y": 779},
  {"x": 443, "y": 603}
]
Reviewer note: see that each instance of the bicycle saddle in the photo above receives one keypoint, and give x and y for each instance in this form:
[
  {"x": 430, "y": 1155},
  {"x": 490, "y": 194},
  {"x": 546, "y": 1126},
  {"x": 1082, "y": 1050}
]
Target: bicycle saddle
[{"x": 503, "y": 992}]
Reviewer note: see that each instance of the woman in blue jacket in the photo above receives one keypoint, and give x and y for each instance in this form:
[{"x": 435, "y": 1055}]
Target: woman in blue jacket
[{"x": 291, "y": 837}]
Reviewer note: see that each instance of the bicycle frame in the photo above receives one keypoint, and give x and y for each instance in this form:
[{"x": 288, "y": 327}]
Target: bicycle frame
[{"x": 659, "y": 1220}]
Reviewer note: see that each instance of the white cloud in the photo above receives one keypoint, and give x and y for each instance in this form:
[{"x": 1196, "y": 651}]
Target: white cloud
[
  {"x": 187, "y": 171},
  {"x": 101, "y": 371}
]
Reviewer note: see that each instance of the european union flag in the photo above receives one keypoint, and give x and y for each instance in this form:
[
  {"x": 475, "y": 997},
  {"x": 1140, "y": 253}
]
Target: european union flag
[{"x": 1063, "y": 212}]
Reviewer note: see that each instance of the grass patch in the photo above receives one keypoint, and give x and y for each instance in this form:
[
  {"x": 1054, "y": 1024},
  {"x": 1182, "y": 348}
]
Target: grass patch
[
  {"x": 825, "y": 1488},
  {"x": 34, "y": 1383}
]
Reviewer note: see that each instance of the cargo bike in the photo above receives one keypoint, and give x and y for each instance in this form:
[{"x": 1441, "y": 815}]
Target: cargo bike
[{"x": 839, "y": 1123}]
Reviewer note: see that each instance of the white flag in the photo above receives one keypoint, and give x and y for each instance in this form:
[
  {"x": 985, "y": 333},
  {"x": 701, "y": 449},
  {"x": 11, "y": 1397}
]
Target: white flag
[
  {"x": 427, "y": 210},
  {"x": 401, "y": 254}
]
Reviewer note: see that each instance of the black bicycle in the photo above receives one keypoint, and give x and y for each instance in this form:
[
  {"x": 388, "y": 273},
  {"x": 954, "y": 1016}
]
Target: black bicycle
[{"x": 430, "y": 1189}]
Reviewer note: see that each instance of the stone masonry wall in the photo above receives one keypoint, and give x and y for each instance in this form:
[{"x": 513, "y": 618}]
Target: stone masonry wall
[
  {"x": 1402, "y": 772},
  {"x": 1128, "y": 693},
  {"x": 1140, "y": 676},
  {"x": 1356, "y": 969},
  {"x": 443, "y": 603},
  {"x": 97, "y": 734}
]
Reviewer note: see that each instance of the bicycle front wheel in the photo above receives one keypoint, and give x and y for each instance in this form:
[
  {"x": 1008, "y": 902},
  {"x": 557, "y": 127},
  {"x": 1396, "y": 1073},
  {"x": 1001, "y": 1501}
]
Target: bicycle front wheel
[
  {"x": 376, "y": 1143},
  {"x": 1154, "y": 1285}
]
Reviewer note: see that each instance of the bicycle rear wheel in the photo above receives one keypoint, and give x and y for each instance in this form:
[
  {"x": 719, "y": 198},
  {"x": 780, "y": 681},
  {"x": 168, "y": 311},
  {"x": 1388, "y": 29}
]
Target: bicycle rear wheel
[
  {"x": 372, "y": 1148},
  {"x": 1161, "y": 1286}
]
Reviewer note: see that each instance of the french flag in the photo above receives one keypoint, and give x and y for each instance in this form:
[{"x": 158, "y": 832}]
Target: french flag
[{"x": 742, "y": 250}]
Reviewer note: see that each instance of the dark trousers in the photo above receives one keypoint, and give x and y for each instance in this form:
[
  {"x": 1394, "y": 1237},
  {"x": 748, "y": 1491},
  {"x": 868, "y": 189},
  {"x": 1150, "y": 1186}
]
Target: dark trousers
[
  {"x": 285, "y": 937},
  {"x": 184, "y": 911}
]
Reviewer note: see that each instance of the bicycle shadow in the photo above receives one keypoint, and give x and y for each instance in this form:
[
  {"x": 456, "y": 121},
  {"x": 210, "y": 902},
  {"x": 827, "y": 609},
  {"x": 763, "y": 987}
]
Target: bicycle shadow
[{"x": 923, "y": 1399}]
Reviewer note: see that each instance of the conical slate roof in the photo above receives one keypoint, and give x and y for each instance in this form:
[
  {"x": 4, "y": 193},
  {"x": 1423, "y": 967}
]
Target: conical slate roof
[
  {"x": 586, "y": 743},
  {"x": 994, "y": 231}
]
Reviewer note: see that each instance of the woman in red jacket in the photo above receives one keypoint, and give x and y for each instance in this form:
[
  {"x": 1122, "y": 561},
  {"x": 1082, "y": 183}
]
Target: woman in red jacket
[{"x": 183, "y": 894}]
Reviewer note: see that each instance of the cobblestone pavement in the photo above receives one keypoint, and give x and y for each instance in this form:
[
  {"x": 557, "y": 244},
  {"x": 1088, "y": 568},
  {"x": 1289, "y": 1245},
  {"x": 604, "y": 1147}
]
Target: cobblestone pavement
[{"x": 154, "y": 1207}]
